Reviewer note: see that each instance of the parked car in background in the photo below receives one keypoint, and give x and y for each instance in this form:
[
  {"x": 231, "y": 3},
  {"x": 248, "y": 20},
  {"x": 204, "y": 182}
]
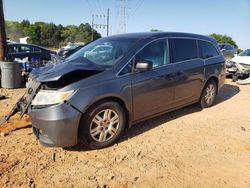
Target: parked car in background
[
  {"x": 142, "y": 75},
  {"x": 32, "y": 52},
  {"x": 239, "y": 66},
  {"x": 228, "y": 50},
  {"x": 65, "y": 52}
]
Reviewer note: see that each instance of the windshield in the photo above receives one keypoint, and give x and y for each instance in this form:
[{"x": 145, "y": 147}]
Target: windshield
[
  {"x": 106, "y": 51},
  {"x": 245, "y": 53}
]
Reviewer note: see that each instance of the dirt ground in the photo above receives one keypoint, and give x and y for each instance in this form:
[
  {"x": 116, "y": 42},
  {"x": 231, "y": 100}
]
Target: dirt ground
[{"x": 186, "y": 148}]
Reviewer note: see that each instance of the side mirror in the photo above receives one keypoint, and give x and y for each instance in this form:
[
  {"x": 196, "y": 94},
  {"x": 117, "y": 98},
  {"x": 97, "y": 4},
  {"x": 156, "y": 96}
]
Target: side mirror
[{"x": 142, "y": 66}]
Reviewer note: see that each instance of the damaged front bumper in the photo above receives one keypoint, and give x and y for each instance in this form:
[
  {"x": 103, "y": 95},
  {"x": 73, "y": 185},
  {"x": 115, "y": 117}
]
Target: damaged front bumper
[
  {"x": 54, "y": 125},
  {"x": 57, "y": 125}
]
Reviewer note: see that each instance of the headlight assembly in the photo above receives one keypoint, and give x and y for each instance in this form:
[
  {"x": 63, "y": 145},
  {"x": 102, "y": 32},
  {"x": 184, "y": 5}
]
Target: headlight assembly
[{"x": 47, "y": 97}]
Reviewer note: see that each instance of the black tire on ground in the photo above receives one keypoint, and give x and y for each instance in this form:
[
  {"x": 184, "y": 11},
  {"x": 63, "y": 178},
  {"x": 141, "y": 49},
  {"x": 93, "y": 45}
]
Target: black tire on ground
[
  {"x": 208, "y": 94},
  {"x": 102, "y": 125}
]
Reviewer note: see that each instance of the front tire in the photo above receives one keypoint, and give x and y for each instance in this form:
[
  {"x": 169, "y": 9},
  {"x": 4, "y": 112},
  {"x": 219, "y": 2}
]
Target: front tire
[
  {"x": 102, "y": 125},
  {"x": 208, "y": 94}
]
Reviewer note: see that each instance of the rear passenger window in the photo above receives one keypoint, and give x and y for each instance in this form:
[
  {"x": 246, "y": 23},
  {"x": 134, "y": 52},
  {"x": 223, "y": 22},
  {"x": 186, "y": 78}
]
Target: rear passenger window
[
  {"x": 207, "y": 50},
  {"x": 26, "y": 49},
  {"x": 182, "y": 49},
  {"x": 35, "y": 49}
]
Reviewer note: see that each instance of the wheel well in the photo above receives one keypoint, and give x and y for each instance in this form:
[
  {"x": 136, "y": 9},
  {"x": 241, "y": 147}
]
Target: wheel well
[
  {"x": 119, "y": 101},
  {"x": 216, "y": 81}
]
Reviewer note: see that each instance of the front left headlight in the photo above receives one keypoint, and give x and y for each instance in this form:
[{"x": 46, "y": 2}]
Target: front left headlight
[{"x": 48, "y": 97}]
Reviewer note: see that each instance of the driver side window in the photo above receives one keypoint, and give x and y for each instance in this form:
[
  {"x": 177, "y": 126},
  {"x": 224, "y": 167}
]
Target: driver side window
[{"x": 155, "y": 52}]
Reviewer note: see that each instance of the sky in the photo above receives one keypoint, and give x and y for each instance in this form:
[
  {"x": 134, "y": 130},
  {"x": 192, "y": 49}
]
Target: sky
[{"x": 230, "y": 17}]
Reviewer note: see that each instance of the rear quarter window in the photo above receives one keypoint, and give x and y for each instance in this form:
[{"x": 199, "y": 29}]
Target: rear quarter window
[
  {"x": 207, "y": 50},
  {"x": 183, "y": 49}
]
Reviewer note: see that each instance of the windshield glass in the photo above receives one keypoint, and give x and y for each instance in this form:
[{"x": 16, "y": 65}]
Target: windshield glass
[
  {"x": 106, "y": 51},
  {"x": 245, "y": 53}
]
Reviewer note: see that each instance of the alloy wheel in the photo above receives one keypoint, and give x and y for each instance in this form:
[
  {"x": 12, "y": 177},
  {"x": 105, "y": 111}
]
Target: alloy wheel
[
  {"x": 104, "y": 125},
  {"x": 210, "y": 93}
]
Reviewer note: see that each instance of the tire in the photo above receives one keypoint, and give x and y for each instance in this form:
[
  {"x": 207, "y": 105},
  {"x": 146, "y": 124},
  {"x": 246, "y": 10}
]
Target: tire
[
  {"x": 102, "y": 125},
  {"x": 208, "y": 94}
]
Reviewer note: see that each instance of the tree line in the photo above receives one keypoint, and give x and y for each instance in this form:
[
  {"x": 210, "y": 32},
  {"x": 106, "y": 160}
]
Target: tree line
[{"x": 49, "y": 34}]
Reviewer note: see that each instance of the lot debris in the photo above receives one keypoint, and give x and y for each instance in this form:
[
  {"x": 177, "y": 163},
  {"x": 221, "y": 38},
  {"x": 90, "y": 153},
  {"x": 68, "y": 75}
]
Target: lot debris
[
  {"x": 244, "y": 82},
  {"x": 14, "y": 123},
  {"x": 243, "y": 128},
  {"x": 2, "y": 97}
]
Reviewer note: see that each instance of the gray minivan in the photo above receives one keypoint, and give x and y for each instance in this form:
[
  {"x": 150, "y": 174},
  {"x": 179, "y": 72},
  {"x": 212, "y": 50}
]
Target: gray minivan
[{"x": 93, "y": 98}]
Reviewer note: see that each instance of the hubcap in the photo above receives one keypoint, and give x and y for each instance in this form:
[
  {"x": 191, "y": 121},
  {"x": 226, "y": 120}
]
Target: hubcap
[
  {"x": 104, "y": 125},
  {"x": 210, "y": 93}
]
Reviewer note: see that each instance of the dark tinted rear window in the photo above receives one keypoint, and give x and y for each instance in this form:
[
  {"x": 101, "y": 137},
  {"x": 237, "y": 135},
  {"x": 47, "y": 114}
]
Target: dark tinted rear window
[
  {"x": 182, "y": 49},
  {"x": 207, "y": 50}
]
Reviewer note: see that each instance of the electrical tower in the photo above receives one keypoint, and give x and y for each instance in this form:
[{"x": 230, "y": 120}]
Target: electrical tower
[{"x": 122, "y": 16}]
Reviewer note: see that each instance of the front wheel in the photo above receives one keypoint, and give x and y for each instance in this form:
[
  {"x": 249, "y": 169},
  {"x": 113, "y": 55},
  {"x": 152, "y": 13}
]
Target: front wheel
[
  {"x": 102, "y": 125},
  {"x": 208, "y": 95}
]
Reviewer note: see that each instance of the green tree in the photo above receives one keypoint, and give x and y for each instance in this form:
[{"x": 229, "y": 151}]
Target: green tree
[
  {"x": 155, "y": 30},
  {"x": 25, "y": 24},
  {"x": 49, "y": 34},
  {"x": 14, "y": 30},
  {"x": 224, "y": 39}
]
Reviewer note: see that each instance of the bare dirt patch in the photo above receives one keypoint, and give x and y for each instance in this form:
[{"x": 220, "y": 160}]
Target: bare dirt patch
[{"x": 186, "y": 148}]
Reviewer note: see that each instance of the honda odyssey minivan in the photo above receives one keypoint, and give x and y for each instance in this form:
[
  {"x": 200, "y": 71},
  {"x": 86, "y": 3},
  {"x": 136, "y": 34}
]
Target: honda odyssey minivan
[{"x": 92, "y": 98}]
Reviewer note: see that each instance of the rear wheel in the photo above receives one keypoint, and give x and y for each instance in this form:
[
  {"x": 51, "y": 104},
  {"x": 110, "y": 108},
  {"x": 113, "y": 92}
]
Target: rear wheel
[
  {"x": 208, "y": 94},
  {"x": 102, "y": 125}
]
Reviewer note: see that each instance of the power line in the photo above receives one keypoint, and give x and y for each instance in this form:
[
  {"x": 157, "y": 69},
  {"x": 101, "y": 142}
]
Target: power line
[
  {"x": 94, "y": 9},
  {"x": 95, "y": 4},
  {"x": 100, "y": 5},
  {"x": 137, "y": 6}
]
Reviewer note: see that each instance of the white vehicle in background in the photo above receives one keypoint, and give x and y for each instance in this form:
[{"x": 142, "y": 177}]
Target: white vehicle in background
[{"x": 239, "y": 66}]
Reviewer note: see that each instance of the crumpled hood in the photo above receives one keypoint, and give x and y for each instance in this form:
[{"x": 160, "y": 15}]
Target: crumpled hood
[
  {"x": 56, "y": 72},
  {"x": 241, "y": 59}
]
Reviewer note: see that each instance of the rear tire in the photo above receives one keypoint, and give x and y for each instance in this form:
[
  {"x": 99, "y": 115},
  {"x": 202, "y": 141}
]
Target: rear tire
[
  {"x": 208, "y": 94},
  {"x": 102, "y": 125}
]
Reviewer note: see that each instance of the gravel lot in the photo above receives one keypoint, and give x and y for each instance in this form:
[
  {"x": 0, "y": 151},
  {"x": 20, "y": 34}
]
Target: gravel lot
[{"x": 186, "y": 148}]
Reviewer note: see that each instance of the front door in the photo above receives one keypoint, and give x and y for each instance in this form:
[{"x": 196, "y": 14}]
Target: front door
[{"x": 153, "y": 90}]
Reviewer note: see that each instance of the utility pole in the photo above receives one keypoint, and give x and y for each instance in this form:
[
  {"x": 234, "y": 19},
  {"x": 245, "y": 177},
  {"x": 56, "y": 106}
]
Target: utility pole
[
  {"x": 122, "y": 16},
  {"x": 104, "y": 18},
  {"x": 92, "y": 34},
  {"x": 108, "y": 22},
  {"x": 2, "y": 33}
]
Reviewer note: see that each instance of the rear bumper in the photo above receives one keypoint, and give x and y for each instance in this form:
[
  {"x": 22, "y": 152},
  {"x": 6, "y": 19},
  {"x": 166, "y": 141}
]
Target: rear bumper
[{"x": 56, "y": 126}]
